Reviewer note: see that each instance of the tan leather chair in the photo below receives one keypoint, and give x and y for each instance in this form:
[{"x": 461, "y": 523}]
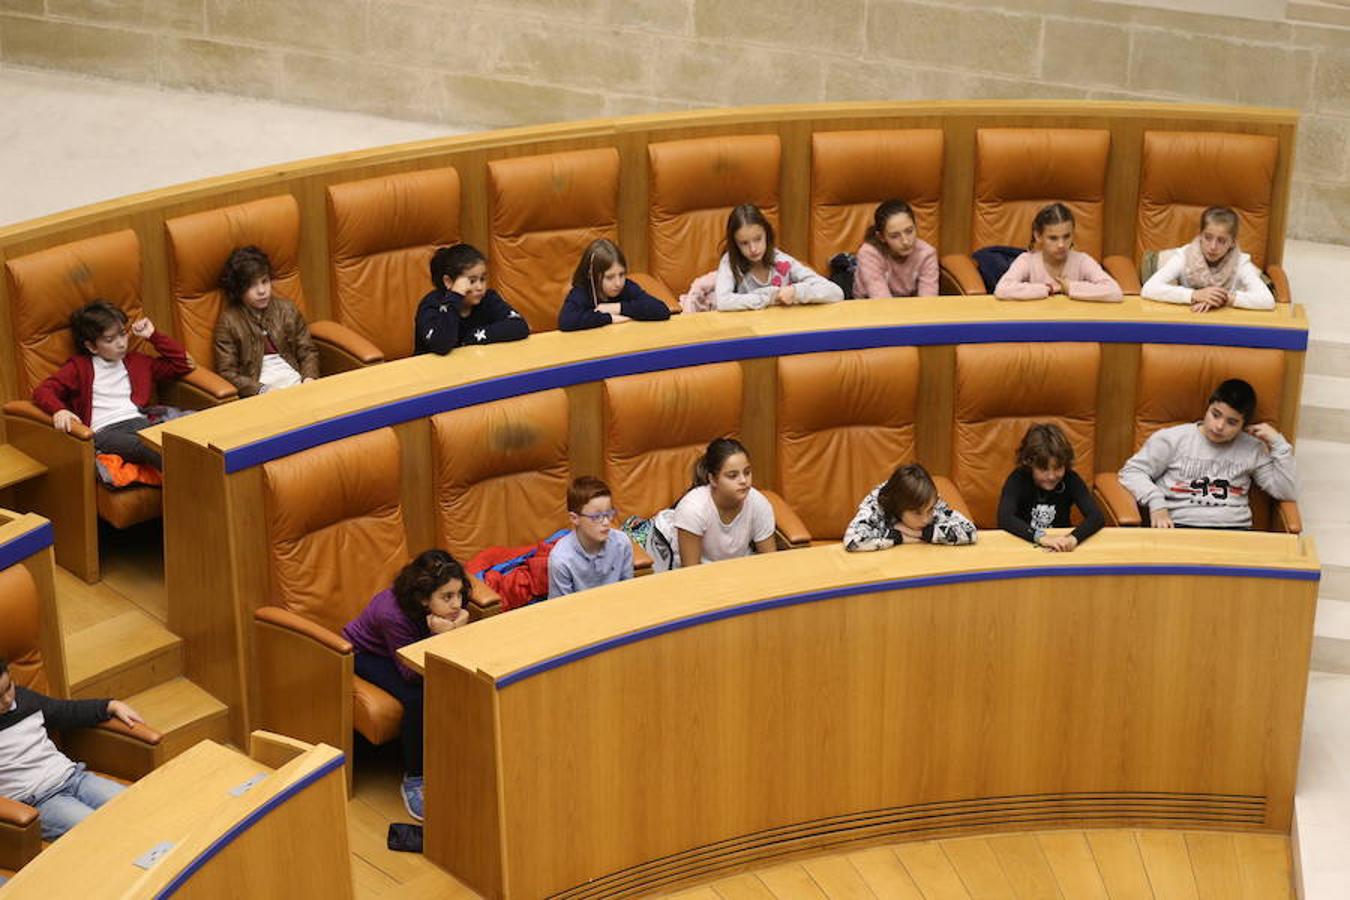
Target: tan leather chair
[
  {"x": 656, "y": 424},
  {"x": 693, "y": 186},
  {"x": 111, "y": 749},
  {"x": 845, "y": 422},
  {"x": 1175, "y": 381},
  {"x": 501, "y": 476},
  {"x": 1001, "y": 390},
  {"x": 382, "y": 233},
  {"x": 334, "y": 531},
  {"x": 852, "y": 172},
  {"x": 545, "y": 211},
  {"x": 1020, "y": 170},
  {"x": 200, "y": 243},
  {"x": 44, "y": 289},
  {"x": 1184, "y": 172}
]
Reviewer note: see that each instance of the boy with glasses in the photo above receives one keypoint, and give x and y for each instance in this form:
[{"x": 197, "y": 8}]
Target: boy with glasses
[{"x": 592, "y": 553}]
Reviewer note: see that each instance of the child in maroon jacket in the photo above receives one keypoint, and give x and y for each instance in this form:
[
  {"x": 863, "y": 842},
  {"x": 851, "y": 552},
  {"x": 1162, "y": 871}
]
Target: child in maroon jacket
[{"x": 106, "y": 387}]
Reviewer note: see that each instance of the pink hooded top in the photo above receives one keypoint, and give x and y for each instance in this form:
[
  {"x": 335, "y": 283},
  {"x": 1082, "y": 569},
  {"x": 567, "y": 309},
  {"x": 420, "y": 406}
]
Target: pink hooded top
[{"x": 1027, "y": 279}]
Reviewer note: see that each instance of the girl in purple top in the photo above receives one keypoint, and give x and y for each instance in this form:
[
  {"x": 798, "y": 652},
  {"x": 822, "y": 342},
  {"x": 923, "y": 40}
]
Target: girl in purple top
[
  {"x": 430, "y": 596},
  {"x": 893, "y": 261}
]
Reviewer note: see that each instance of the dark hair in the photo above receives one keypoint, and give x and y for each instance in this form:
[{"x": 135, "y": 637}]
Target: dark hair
[
  {"x": 583, "y": 490},
  {"x": 1054, "y": 214},
  {"x": 1238, "y": 394},
  {"x": 714, "y": 457},
  {"x": 421, "y": 578},
  {"x": 876, "y": 232},
  {"x": 909, "y": 487},
  {"x": 741, "y": 216},
  {"x": 1043, "y": 443},
  {"x": 1220, "y": 215},
  {"x": 89, "y": 322},
  {"x": 453, "y": 261},
  {"x": 595, "y": 262},
  {"x": 4, "y": 665},
  {"x": 245, "y": 266}
]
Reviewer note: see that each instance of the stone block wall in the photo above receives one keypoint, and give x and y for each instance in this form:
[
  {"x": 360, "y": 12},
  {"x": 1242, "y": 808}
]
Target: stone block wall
[{"x": 495, "y": 63}]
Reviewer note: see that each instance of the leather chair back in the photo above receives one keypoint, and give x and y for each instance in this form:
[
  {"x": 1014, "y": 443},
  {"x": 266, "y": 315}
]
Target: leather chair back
[
  {"x": 845, "y": 421},
  {"x": 1184, "y": 172},
  {"x": 47, "y": 286},
  {"x": 656, "y": 425},
  {"x": 200, "y": 243},
  {"x": 1001, "y": 390},
  {"x": 694, "y": 185},
  {"x": 502, "y": 472},
  {"x": 1020, "y": 170},
  {"x": 334, "y": 521},
  {"x": 852, "y": 172},
  {"x": 1175, "y": 381},
  {"x": 381, "y": 235},
  {"x": 21, "y": 628},
  {"x": 544, "y": 211}
]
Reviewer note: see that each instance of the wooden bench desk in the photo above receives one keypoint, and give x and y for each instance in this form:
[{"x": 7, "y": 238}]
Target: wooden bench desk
[{"x": 644, "y": 733}]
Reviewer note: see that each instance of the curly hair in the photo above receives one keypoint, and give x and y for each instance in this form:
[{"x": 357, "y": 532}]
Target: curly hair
[{"x": 422, "y": 577}]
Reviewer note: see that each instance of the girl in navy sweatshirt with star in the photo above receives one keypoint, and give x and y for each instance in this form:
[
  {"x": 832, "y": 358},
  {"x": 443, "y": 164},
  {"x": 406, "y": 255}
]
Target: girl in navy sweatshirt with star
[
  {"x": 462, "y": 309},
  {"x": 602, "y": 293}
]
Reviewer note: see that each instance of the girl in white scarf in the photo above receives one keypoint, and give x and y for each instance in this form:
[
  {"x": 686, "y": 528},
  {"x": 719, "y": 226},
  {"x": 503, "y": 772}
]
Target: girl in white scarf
[{"x": 1211, "y": 271}]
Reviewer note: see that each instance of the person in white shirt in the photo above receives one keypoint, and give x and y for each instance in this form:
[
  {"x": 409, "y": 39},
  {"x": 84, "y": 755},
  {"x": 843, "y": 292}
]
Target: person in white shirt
[
  {"x": 754, "y": 273},
  {"x": 1210, "y": 272},
  {"x": 722, "y": 516}
]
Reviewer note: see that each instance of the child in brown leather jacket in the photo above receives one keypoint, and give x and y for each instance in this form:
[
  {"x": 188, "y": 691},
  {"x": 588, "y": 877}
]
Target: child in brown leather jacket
[{"x": 261, "y": 339}]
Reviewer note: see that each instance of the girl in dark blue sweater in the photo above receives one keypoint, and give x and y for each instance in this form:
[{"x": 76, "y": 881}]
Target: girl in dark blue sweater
[
  {"x": 602, "y": 292},
  {"x": 462, "y": 309}
]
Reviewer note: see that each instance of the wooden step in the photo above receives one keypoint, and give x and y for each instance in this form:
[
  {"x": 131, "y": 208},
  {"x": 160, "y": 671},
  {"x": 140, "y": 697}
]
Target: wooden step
[
  {"x": 182, "y": 712},
  {"x": 121, "y": 655}
]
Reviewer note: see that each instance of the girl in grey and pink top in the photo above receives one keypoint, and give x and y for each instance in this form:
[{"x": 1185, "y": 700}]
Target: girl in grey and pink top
[
  {"x": 754, "y": 274},
  {"x": 1053, "y": 267},
  {"x": 893, "y": 261}
]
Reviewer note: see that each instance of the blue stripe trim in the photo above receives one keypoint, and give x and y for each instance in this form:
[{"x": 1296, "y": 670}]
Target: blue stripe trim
[
  {"x": 248, "y": 822},
  {"x": 894, "y": 585},
  {"x": 286, "y": 443},
  {"x": 25, "y": 545}
]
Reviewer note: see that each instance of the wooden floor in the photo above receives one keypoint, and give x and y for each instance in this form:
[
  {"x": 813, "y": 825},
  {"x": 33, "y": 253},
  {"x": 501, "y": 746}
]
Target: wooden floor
[{"x": 1104, "y": 864}]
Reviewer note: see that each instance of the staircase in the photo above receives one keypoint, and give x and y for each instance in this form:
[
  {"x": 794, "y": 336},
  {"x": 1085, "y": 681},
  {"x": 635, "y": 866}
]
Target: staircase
[{"x": 117, "y": 646}]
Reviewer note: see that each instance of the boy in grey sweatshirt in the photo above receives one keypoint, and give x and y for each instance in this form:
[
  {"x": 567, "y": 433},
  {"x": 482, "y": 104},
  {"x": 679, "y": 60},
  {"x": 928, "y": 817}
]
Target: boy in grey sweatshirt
[{"x": 1200, "y": 475}]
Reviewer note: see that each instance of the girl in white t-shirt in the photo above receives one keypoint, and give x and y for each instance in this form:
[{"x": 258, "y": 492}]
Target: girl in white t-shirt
[{"x": 722, "y": 516}]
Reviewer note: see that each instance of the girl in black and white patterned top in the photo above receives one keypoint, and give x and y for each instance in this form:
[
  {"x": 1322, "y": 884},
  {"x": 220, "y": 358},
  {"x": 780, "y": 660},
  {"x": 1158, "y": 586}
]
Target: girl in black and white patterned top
[{"x": 906, "y": 509}]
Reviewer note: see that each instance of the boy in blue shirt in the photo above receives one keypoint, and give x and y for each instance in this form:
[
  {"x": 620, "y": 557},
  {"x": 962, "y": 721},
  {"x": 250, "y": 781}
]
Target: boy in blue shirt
[{"x": 592, "y": 553}]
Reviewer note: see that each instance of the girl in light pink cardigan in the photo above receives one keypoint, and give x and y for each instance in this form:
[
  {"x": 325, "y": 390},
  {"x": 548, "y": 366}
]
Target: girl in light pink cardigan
[
  {"x": 1051, "y": 266},
  {"x": 893, "y": 261}
]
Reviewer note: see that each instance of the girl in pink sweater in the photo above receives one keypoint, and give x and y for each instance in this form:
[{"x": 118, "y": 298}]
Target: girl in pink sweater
[
  {"x": 893, "y": 261},
  {"x": 1052, "y": 266}
]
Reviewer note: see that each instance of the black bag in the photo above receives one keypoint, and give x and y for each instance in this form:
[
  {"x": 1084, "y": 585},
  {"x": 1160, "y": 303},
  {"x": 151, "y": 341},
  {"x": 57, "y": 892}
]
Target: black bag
[
  {"x": 843, "y": 266},
  {"x": 404, "y": 837}
]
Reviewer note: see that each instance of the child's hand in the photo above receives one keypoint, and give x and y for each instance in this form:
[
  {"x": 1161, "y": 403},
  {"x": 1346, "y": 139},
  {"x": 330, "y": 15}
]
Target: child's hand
[
  {"x": 1065, "y": 543},
  {"x": 440, "y": 624},
  {"x": 462, "y": 617},
  {"x": 1062, "y": 284},
  {"x": 908, "y": 535},
  {"x": 124, "y": 713},
  {"x": 1211, "y": 297},
  {"x": 616, "y": 318},
  {"x": 1160, "y": 518},
  {"x": 1265, "y": 432},
  {"x": 63, "y": 420},
  {"x": 143, "y": 328},
  {"x": 787, "y": 295},
  {"x": 460, "y": 285}
]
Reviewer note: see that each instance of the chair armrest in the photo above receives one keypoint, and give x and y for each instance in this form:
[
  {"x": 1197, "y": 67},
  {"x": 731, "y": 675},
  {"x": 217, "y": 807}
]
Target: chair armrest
[
  {"x": 341, "y": 349},
  {"x": 1281, "y": 281},
  {"x": 1118, "y": 505},
  {"x": 140, "y": 732},
  {"x": 642, "y": 560},
  {"x": 20, "y": 834},
  {"x": 964, "y": 273},
  {"x": 486, "y": 601},
  {"x": 29, "y": 411},
  {"x": 788, "y": 527},
  {"x": 1123, "y": 270},
  {"x": 199, "y": 389},
  {"x": 302, "y": 627},
  {"x": 1287, "y": 517},
  {"x": 657, "y": 288}
]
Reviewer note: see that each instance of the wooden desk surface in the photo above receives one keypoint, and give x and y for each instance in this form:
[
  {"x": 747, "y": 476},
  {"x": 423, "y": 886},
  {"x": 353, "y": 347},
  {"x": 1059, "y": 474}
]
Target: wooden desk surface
[
  {"x": 234, "y": 425},
  {"x": 499, "y": 646},
  {"x": 185, "y": 802}
]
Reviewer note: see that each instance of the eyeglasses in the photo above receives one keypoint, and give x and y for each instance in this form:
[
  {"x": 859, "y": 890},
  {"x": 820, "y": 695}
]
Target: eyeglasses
[{"x": 605, "y": 515}]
